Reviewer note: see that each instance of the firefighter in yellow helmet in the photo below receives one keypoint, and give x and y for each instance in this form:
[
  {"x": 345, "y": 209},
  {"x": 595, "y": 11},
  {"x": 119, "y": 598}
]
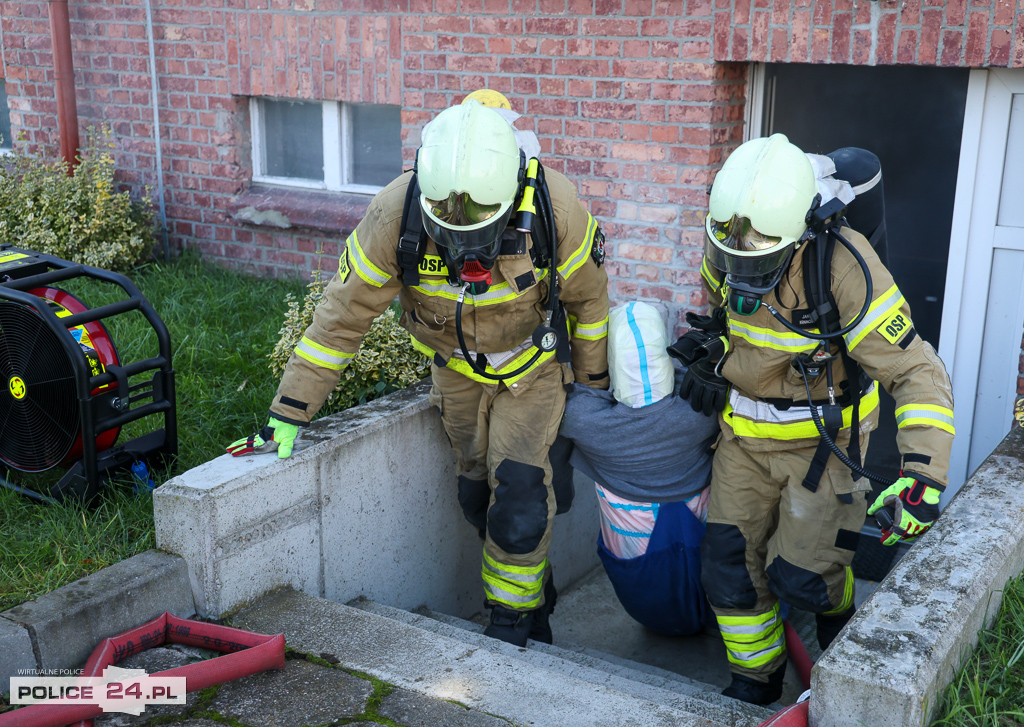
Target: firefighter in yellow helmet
[
  {"x": 491, "y": 257},
  {"x": 793, "y": 323}
]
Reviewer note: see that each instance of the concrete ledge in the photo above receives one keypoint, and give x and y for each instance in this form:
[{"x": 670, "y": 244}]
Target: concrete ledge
[
  {"x": 906, "y": 642},
  {"x": 365, "y": 506},
  {"x": 64, "y": 626},
  {"x": 15, "y": 652}
]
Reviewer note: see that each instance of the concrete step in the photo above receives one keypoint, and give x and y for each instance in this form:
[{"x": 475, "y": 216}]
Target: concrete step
[
  {"x": 589, "y": 665},
  {"x": 536, "y": 689}
]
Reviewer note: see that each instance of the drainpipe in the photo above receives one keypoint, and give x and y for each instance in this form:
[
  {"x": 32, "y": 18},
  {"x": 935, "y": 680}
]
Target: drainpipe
[
  {"x": 154, "y": 93},
  {"x": 64, "y": 74}
]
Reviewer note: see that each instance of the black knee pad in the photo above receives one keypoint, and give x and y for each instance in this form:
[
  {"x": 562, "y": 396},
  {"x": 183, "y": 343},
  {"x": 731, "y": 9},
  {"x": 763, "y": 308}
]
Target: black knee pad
[
  {"x": 723, "y": 564},
  {"x": 474, "y": 497},
  {"x": 797, "y": 586},
  {"x": 517, "y": 520}
]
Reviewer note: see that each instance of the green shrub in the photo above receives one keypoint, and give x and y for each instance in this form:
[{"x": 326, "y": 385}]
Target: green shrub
[
  {"x": 385, "y": 362},
  {"x": 81, "y": 218}
]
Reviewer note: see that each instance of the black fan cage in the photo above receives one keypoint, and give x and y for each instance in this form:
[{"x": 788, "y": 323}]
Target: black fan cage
[{"x": 39, "y": 413}]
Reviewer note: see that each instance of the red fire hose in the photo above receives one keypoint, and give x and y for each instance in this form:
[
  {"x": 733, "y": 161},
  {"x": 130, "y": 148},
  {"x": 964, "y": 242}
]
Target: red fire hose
[{"x": 245, "y": 653}]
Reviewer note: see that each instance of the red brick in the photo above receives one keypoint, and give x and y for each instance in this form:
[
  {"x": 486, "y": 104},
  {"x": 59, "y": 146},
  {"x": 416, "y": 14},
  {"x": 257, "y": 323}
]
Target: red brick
[
  {"x": 552, "y": 26},
  {"x": 931, "y": 23},
  {"x": 840, "y": 46},
  {"x": 861, "y": 46},
  {"x": 955, "y": 12},
  {"x": 822, "y": 13},
  {"x": 952, "y": 51},
  {"x": 741, "y": 12},
  {"x": 1004, "y": 10},
  {"x": 620, "y": 27},
  {"x": 885, "y": 46},
  {"x": 799, "y": 36},
  {"x": 999, "y": 55},
  {"x": 721, "y": 37},
  {"x": 977, "y": 35},
  {"x": 907, "y": 48}
]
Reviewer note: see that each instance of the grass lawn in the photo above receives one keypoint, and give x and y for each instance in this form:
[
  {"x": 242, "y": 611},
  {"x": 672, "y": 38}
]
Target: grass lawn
[
  {"x": 989, "y": 690},
  {"x": 222, "y": 324}
]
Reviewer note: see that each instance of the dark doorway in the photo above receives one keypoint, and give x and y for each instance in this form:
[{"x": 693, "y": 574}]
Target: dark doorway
[{"x": 912, "y": 119}]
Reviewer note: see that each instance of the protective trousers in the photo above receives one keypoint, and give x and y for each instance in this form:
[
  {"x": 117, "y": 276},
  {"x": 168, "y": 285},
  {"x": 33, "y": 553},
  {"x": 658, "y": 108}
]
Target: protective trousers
[
  {"x": 501, "y": 438},
  {"x": 769, "y": 538}
]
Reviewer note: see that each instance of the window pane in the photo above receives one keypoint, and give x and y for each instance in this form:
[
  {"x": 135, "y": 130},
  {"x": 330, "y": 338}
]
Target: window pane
[
  {"x": 376, "y": 143},
  {"x": 5, "y": 118},
  {"x": 293, "y": 139},
  {"x": 1011, "y": 213}
]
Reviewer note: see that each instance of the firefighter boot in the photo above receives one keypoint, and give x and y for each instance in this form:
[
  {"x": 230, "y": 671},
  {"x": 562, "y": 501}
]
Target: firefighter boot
[
  {"x": 755, "y": 692},
  {"x": 511, "y": 626},
  {"x": 830, "y": 626},
  {"x": 541, "y": 629}
]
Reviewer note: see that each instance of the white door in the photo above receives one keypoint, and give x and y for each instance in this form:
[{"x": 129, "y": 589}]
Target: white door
[{"x": 983, "y": 316}]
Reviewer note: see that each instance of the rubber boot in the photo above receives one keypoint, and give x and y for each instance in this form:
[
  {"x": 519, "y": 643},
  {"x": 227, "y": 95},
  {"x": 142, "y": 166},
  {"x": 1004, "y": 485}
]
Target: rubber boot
[
  {"x": 541, "y": 629},
  {"x": 750, "y": 690},
  {"x": 511, "y": 626},
  {"x": 830, "y": 626}
]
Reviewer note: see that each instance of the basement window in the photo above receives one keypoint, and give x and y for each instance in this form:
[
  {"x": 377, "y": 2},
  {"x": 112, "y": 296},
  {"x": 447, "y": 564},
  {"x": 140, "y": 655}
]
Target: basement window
[
  {"x": 6, "y": 143},
  {"x": 341, "y": 147}
]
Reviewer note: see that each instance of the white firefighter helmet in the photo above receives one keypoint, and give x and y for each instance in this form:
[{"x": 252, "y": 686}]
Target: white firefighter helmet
[
  {"x": 758, "y": 207},
  {"x": 469, "y": 166}
]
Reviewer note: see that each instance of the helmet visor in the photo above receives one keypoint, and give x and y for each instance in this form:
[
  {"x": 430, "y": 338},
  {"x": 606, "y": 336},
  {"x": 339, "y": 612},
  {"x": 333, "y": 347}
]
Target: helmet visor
[
  {"x": 735, "y": 247},
  {"x": 463, "y": 226}
]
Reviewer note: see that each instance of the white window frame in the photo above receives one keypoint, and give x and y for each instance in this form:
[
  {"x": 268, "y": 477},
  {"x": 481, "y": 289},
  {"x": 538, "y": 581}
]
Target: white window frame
[{"x": 337, "y": 135}]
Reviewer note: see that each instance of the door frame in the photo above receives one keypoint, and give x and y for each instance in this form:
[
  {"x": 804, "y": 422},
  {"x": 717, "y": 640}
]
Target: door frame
[{"x": 971, "y": 251}]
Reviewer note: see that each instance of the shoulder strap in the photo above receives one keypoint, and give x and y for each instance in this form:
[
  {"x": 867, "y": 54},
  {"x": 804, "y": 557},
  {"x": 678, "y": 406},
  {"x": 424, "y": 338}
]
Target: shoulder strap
[
  {"x": 824, "y": 314},
  {"x": 412, "y": 240}
]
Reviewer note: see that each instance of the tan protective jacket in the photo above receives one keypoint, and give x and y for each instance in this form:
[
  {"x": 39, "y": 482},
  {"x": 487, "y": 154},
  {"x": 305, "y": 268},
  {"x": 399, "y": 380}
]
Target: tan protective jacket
[
  {"x": 884, "y": 343},
  {"x": 500, "y": 320}
]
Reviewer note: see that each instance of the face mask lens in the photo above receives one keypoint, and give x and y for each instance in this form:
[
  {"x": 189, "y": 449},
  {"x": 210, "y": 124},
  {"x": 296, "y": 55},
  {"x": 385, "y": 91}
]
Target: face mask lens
[
  {"x": 460, "y": 209},
  {"x": 738, "y": 234}
]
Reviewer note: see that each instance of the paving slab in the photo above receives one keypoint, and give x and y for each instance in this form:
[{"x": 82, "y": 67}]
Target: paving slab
[
  {"x": 301, "y": 694},
  {"x": 415, "y": 710},
  {"x": 65, "y": 625},
  {"x": 490, "y": 680}
]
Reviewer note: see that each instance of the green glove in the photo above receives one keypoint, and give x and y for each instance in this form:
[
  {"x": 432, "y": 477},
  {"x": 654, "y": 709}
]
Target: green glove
[
  {"x": 277, "y": 435},
  {"x": 915, "y": 506}
]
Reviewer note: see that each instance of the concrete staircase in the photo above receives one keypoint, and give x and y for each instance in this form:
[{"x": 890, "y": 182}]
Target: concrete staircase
[{"x": 450, "y": 658}]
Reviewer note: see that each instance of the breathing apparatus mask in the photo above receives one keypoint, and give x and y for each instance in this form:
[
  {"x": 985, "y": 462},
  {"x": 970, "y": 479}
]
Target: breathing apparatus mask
[{"x": 753, "y": 262}]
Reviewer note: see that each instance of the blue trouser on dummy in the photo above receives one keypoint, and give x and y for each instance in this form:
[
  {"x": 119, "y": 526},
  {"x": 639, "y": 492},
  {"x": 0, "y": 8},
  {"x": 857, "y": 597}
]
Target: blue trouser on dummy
[{"x": 661, "y": 588}]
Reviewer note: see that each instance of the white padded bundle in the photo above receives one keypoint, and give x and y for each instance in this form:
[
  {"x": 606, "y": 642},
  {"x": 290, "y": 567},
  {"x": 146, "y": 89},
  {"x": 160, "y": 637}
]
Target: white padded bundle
[{"x": 639, "y": 366}]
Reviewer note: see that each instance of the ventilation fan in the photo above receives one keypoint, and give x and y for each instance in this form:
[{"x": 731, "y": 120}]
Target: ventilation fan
[{"x": 65, "y": 393}]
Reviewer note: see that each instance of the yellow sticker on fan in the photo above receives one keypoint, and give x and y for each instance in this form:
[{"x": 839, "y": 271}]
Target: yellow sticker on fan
[{"x": 17, "y": 387}]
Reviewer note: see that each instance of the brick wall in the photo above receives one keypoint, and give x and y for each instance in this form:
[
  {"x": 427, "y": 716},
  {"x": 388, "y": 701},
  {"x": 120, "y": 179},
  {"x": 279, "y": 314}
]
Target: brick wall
[{"x": 637, "y": 101}]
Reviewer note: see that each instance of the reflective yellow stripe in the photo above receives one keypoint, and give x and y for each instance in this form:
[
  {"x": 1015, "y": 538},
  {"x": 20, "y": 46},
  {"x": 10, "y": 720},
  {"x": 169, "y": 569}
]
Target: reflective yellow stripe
[
  {"x": 926, "y": 415},
  {"x": 362, "y": 265},
  {"x": 847, "y": 594},
  {"x": 592, "y": 331},
  {"x": 708, "y": 275},
  {"x": 323, "y": 356},
  {"x": 463, "y": 367},
  {"x": 803, "y": 428},
  {"x": 517, "y": 586},
  {"x": 752, "y": 641},
  {"x": 576, "y": 260},
  {"x": 881, "y": 308},
  {"x": 497, "y": 293},
  {"x": 766, "y": 338}
]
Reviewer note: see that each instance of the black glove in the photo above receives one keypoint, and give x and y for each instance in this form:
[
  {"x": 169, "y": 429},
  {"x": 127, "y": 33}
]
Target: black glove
[
  {"x": 706, "y": 341},
  {"x": 706, "y": 391}
]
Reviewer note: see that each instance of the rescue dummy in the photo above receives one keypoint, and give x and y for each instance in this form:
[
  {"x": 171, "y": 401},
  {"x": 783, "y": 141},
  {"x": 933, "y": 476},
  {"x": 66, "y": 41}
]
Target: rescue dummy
[
  {"x": 803, "y": 311},
  {"x": 650, "y": 456},
  {"x": 490, "y": 255}
]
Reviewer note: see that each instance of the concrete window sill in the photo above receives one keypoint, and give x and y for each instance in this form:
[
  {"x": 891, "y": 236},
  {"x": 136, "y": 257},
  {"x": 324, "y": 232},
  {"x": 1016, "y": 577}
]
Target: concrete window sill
[{"x": 286, "y": 209}]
